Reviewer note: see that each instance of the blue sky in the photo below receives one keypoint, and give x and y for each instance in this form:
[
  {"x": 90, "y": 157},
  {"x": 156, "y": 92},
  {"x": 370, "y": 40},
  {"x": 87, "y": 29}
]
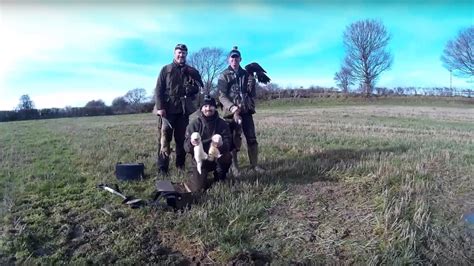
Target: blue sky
[{"x": 66, "y": 53}]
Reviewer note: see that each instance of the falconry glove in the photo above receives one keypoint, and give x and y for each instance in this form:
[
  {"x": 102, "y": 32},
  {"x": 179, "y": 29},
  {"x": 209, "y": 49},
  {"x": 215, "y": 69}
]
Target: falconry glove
[
  {"x": 251, "y": 82},
  {"x": 191, "y": 87}
]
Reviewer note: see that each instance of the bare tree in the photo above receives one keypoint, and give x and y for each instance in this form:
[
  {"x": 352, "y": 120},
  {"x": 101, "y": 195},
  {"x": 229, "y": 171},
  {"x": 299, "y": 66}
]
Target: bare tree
[
  {"x": 209, "y": 62},
  {"x": 344, "y": 79},
  {"x": 135, "y": 96},
  {"x": 366, "y": 55},
  {"x": 25, "y": 103},
  {"x": 458, "y": 55}
]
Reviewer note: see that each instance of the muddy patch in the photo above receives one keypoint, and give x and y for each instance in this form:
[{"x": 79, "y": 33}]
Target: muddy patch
[
  {"x": 193, "y": 250},
  {"x": 323, "y": 221},
  {"x": 251, "y": 257}
]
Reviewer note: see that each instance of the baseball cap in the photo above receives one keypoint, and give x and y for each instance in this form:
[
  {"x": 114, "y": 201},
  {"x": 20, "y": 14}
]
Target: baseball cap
[{"x": 181, "y": 47}]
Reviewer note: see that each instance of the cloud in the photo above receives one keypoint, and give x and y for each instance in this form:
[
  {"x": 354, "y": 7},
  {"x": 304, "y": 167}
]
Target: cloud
[
  {"x": 72, "y": 98},
  {"x": 87, "y": 84},
  {"x": 37, "y": 37},
  {"x": 299, "y": 49},
  {"x": 312, "y": 36},
  {"x": 50, "y": 33},
  {"x": 47, "y": 49},
  {"x": 303, "y": 81},
  {"x": 426, "y": 78}
]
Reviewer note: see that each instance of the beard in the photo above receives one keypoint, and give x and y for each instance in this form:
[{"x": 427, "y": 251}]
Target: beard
[{"x": 209, "y": 113}]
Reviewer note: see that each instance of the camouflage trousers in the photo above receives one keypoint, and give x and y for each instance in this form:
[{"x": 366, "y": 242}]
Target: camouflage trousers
[{"x": 220, "y": 167}]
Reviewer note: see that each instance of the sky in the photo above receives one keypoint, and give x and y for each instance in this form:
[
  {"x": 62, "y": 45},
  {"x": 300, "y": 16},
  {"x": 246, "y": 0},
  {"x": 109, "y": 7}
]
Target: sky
[{"x": 66, "y": 53}]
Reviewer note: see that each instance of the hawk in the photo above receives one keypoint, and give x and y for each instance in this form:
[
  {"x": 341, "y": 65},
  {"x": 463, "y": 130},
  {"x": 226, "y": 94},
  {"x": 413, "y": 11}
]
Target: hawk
[
  {"x": 255, "y": 68},
  {"x": 194, "y": 75}
]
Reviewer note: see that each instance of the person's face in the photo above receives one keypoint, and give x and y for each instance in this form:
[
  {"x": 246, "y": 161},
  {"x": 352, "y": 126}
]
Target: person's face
[
  {"x": 208, "y": 110},
  {"x": 180, "y": 56},
  {"x": 234, "y": 61}
]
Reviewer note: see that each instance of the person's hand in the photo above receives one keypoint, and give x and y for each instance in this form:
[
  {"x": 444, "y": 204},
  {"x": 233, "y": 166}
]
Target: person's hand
[
  {"x": 237, "y": 118},
  {"x": 234, "y": 109},
  {"x": 251, "y": 82},
  {"x": 161, "y": 112}
]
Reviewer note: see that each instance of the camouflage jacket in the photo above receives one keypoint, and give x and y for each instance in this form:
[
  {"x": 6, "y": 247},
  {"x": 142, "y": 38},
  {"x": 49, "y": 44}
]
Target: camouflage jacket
[
  {"x": 176, "y": 92},
  {"x": 234, "y": 90},
  {"x": 207, "y": 127}
]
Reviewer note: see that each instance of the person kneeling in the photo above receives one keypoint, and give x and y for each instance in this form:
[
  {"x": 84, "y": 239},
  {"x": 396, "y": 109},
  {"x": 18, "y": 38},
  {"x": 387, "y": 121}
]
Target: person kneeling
[{"x": 209, "y": 126}]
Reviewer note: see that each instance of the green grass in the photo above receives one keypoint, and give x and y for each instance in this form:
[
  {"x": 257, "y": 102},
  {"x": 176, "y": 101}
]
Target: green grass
[
  {"x": 346, "y": 182},
  {"x": 340, "y": 100}
]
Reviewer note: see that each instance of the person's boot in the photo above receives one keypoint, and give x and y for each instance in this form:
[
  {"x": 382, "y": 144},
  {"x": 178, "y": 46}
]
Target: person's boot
[
  {"x": 235, "y": 164},
  {"x": 253, "y": 158},
  {"x": 219, "y": 175},
  {"x": 163, "y": 165},
  {"x": 180, "y": 164}
]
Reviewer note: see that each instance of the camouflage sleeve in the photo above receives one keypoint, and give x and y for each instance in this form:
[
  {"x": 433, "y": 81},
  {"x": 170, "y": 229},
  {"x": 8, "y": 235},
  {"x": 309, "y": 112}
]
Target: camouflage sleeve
[
  {"x": 223, "y": 93},
  {"x": 188, "y": 147},
  {"x": 160, "y": 90}
]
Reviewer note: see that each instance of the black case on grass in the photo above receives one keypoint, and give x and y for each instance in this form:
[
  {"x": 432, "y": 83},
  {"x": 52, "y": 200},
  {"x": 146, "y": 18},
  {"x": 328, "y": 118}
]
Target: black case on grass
[{"x": 130, "y": 171}]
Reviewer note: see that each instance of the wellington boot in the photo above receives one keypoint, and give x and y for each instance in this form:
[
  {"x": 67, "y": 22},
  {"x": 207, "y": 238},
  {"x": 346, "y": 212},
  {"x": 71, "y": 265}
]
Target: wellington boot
[
  {"x": 253, "y": 158},
  {"x": 235, "y": 164}
]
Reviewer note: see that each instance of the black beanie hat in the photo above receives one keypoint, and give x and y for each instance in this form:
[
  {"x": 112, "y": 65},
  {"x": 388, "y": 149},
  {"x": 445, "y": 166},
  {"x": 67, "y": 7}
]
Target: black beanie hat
[{"x": 209, "y": 100}]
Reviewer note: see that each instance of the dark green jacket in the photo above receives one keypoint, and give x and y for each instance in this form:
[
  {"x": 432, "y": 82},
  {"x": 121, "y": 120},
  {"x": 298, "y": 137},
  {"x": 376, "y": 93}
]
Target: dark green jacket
[
  {"x": 233, "y": 90},
  {"x": 175, "y": 90},
  {"x": 207, "y": 127}
]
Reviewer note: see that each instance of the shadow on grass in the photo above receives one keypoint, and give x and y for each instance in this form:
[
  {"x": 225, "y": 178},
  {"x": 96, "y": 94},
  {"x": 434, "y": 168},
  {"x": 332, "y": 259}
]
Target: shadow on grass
[{"x": 322, "y": 166}]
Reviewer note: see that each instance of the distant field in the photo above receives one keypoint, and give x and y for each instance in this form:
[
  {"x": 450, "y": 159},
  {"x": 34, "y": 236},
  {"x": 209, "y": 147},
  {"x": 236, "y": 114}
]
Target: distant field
[{"x": 347, "y": 182}]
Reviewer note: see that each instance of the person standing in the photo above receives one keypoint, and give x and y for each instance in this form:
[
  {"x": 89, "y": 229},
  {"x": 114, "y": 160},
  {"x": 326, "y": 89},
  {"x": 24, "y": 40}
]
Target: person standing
[
  {"x": 208, "y": 124},
  {"x": 176, "y": 91},
  {"x": 237, "y": 95}
]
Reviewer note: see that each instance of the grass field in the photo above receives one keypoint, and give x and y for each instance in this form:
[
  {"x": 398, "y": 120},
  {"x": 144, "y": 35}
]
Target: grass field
[{"x": 361, "y": 182}]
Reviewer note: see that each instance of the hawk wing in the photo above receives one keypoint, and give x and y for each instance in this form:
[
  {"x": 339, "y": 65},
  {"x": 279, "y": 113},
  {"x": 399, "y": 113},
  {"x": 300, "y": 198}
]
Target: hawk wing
[{"x": 255, "y": 68}]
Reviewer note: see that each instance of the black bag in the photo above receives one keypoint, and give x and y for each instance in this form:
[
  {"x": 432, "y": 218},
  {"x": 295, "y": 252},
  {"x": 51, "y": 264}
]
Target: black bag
[
  {"x": 174, "y": 198},
  {"x": 129, "y": 171}
]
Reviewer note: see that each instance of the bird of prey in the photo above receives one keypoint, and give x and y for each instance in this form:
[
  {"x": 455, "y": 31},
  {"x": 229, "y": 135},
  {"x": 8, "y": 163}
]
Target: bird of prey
[
  {"x": 194, "y": 75},
  {"x": 255, "y": 68}
]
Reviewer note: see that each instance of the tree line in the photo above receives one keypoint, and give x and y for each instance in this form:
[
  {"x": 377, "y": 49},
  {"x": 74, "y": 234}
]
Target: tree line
[
  {"x": 123, "y": 105},
  {"x": 134, "y": 101}
]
